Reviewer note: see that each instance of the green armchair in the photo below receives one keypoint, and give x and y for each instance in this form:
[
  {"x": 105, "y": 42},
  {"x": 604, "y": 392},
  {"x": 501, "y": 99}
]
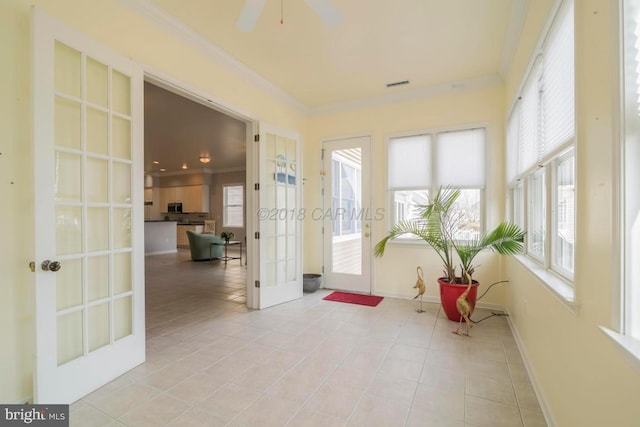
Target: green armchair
[{"x": 200, "y": 245}]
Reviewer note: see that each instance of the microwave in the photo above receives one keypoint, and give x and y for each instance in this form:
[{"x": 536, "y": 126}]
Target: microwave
[{"x": 174, "y": 208}]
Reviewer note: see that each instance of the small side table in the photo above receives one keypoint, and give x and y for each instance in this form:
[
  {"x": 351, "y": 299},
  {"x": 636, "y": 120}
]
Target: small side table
[{"x": 226, "y": 257}]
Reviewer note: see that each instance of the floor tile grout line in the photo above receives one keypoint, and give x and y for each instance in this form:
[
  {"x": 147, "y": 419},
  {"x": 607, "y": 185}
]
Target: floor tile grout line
[{"x": 415, "y": 392}]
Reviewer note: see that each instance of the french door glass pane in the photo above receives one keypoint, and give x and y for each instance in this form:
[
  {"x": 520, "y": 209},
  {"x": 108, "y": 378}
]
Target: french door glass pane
[
  {"x": 97, "y": 131},
  {"x": 98, "y": 277},
  {"x": 68, "y": 123},
  {"x": 69, "y": 284},
  {"x": 98, "y": 322},
  {"x": 97, "y": 83},
  {"x": 68, "y": 173},
  {"x": 68, "y": 70},
  {"x": 69, "y": 336}
]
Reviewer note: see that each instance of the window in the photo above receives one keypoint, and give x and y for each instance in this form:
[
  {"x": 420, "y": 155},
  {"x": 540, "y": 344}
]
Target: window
[
  {"x": 630, "y": 173},
  {"x": 233, "y": 206},
  {"x": 419, "y": 164},
  {"x": 540, "y": 151}
]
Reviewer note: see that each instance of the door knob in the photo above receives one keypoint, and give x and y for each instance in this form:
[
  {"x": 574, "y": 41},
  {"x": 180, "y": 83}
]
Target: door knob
[
  {"x": 48, "y": 265},
  {"x": 366, "y": 234}
]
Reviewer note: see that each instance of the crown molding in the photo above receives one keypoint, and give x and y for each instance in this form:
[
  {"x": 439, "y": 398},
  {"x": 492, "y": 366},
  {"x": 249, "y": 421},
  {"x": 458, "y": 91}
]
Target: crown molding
[
  {"x": 150, "y": 10},
  {"x": 418, "y": 93}
]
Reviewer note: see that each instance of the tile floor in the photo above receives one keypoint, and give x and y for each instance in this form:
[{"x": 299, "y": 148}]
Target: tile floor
[{"x": 213, "y": 362}]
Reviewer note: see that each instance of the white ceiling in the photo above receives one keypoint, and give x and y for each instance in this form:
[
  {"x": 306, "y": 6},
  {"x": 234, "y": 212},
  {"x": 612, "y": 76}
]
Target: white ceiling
[
  {"x": 178, "y": 131},
  {"x": 431, "y": 43}
]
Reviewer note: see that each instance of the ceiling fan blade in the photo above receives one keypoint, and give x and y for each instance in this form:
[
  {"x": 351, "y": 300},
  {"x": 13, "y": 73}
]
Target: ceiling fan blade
[
  {"x": 327, "y": 11},
  {"x": 249, "y": 15}
]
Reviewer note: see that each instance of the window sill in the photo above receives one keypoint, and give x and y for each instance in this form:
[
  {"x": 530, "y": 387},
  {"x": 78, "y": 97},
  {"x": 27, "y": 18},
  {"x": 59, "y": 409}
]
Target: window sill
[
  {"x": 556, "y": 285},
  {"x": 631, "y": 346}
]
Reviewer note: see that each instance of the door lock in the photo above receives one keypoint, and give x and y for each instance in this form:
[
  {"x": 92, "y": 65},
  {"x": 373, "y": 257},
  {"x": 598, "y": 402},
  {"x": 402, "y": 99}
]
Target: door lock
[
  {"x": 366, "y": 234},
  {"x": 48, "y": 265}
]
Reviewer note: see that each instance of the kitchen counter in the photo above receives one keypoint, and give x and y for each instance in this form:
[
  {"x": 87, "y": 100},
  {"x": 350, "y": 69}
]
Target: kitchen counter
[
  {"x": 160, "y": 237},
  {"x": 160, "y": 220}
]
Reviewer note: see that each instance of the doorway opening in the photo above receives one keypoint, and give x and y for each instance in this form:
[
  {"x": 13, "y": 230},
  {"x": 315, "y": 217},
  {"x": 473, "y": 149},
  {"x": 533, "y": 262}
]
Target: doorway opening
[{"x": 194, "y": 150}]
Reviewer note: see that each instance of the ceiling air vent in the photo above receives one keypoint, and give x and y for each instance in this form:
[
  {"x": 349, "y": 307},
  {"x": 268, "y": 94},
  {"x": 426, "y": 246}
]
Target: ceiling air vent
[{"x": 404, "y": 82}]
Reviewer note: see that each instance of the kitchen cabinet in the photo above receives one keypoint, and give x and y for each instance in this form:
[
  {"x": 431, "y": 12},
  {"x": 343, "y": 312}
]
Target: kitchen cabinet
[
  {"x": 194, "y": 198},
  {"x": 169, "y": 195},
  {"x": 148, "y": 195},
  {"x": 181, "y": 238}
]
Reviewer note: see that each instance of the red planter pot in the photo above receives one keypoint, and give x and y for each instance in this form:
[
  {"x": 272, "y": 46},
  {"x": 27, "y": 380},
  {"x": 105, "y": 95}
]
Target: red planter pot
[{"x": 449, "y": 293}]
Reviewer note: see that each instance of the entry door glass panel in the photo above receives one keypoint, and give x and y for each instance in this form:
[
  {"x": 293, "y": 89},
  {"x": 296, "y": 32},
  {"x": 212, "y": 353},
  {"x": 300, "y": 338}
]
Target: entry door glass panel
[
  {"x": 346, "y": 208},
  {"x": 92, "y": 196}
]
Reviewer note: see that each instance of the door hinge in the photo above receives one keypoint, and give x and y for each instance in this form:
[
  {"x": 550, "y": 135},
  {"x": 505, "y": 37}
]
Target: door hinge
[
  {"x": 257, "y": 284},
  {"x": 32, "y": 266},
  {"x": 323, "y": 269},
  {"x": 323, "y": 229},
  {"x": 257, "y": 235},
  {"x": 256, "y": 186},
  {"x": 256, "y": 138}
]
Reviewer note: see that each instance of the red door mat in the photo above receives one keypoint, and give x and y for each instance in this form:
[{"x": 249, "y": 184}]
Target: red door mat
[{"x": 369, "y": 300}]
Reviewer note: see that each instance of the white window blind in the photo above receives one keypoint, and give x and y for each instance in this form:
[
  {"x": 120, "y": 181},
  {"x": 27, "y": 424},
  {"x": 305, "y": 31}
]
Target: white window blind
[
  {"x": 513, "y": 132},
  {"x": 410, "y": 162},
  {"x": 529, "y": 120},
  {"x": 466, "y": 150},
  {"x": 558, "y": 90}
]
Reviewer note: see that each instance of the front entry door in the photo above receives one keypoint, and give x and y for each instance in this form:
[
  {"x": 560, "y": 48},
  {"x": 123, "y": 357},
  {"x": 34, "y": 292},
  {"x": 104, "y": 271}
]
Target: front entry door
[
  {"x": 89, "y": 241},
  {"x": 347, "y": 215}
]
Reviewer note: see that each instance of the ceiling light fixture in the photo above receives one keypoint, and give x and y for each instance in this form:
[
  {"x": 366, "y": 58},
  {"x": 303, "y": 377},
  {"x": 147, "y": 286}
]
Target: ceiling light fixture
[
  {"x": 162, "y": 169},
  {"x": 205, "y": 159},
  {"x": 184, "y": 166},
  {"x": 155, "y": 162}
]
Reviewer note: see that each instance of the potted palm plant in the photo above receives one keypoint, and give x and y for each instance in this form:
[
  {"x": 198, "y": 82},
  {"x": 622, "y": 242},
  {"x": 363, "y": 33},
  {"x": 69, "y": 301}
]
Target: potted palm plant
[{"x": 438, "y": 226}]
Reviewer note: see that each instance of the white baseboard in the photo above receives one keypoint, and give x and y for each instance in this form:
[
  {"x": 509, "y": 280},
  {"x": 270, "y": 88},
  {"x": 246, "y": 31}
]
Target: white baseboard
[
  {"x": 531, "y": 373},
  {"x": 173, "y": 251}
]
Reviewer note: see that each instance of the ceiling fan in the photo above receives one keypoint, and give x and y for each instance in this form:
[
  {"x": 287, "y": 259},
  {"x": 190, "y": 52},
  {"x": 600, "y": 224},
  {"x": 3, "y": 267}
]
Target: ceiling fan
[{"x": 252, "y": 9}]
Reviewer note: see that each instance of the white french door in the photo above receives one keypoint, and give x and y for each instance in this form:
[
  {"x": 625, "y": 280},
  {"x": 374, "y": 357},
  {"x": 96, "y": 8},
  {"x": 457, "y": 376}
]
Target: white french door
[
  {"x": 89, "y": 245},
  {"x": 347, "y": 214},
  {"x": 280, "y": 216}
]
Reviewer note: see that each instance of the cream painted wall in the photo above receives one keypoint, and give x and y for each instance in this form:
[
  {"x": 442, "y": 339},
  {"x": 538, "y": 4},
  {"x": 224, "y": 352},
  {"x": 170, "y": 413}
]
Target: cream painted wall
[
  {"x": 133, "y": 36},
  {"x": 394, "y": 274},
  {"x": 584, "y": 378},
  {"x": 16, "y": 224}
]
